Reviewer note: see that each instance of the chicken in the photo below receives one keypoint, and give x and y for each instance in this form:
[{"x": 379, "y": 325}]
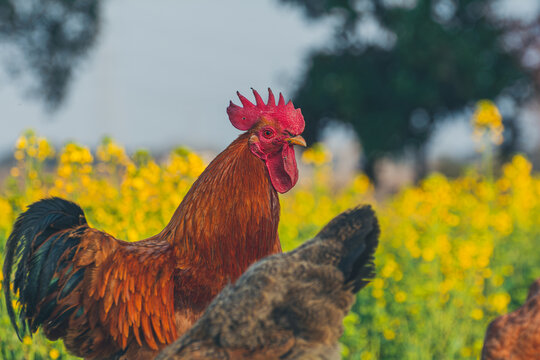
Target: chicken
[
  {"x": 108, "y": 298},
  {"x": 516, "y": 335},
  {"x": 291, "y": 305}
]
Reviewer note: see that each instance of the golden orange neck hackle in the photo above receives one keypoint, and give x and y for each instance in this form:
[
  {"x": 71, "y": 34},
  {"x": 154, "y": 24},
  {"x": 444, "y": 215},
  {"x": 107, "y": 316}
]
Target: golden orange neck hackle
[{"x": 228, "y": 235}]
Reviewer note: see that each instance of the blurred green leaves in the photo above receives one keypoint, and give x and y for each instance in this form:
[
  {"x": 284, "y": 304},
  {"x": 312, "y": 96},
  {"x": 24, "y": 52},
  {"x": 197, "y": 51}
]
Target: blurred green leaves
[
  {"x": 394, "y": 68},
  {"x": 48, "y": 39}
]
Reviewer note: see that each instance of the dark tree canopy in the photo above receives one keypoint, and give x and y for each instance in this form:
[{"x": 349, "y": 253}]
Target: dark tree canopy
[
  {"x": 432, "y": 57},
  {"x": 50, "y": 38}
]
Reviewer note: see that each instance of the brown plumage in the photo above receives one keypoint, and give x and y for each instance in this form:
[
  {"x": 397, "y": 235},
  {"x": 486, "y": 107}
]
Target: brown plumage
[
  {"x": 108, "y": 298},
  {"x": 291, "y": 305},
  {"x": 516, "y": 335}
]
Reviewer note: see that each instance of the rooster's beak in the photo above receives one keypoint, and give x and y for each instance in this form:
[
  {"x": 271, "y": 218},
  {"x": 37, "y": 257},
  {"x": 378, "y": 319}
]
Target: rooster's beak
[{"x": 297, "y": 140}]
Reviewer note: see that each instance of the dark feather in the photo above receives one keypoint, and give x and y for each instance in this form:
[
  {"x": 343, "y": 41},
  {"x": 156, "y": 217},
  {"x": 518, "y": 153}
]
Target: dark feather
[
  {"x": 44, "y": 312},
  {"x": 73, "y": 281},
  {"x": 38, "y": 260},
  {"x": 357, "y": 263},
  {"x": 58, "y": 321},
  {"x": 50, "y": 266},
  {"x": 33, "y": 250}
]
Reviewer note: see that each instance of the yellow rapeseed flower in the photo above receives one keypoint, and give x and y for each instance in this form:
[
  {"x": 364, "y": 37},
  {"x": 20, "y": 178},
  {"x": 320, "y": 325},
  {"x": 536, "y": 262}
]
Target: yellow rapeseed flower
[
  {"x": 500, "y": 302},
  {"x": 466, "y": 352},
  {"x": 32, "y": 152},
  {"x": 378, "y": 283},
  {"x": 389, "y": 334},
  {"x": 377, "y": 293},
  {"x": 497, "y": 280},
  {"x": 487, "y": 119},
  {"x": 15, "y": 172},
  {"x": 64, "y": 171},
  {"x": 366, "y": 355},
  {"x": 27, "y": 340},
  {"x": 54, "y": 354},
  {"x": 316, "y": 155},
  {"x": 400, "y": 296},
  {"x": 345, "y": 352},
  {"x": 44, "y": 149},
  {"x": 21, "y": 143},
  {"x": 477, "y": 314},
  {"x": 361, "y": 184},
  {"x": 389, "y": 268},
  {"x": 19, "y": 155},
  {"x": 428, "y": 254}
]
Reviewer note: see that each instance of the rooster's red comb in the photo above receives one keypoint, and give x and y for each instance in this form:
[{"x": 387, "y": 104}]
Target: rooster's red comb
[{"x": 243, "y": 118}]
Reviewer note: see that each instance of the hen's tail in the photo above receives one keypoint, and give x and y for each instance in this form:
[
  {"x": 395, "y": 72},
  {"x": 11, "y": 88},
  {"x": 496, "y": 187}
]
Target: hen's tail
[
  {"x": 358, "y": 232},
  {"x": 40, "y": 236}
]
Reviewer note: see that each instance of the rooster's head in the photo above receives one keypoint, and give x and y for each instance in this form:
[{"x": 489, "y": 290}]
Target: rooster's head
[{"x": 274, "y": 130}]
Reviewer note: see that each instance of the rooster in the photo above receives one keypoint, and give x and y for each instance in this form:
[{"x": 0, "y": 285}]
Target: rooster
[
  {"x": 108, "y": 298},
  {"x": 516, "y": 335},
  {"x": 292, "y": 305}
]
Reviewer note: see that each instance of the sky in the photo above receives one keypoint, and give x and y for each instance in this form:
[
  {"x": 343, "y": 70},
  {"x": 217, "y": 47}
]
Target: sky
[{"x": 163, "y": 72}]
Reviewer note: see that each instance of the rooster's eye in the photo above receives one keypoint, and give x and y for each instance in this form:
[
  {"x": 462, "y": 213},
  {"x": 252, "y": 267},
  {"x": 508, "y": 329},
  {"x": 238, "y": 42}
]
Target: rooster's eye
[{"x": 268, "y": 133}]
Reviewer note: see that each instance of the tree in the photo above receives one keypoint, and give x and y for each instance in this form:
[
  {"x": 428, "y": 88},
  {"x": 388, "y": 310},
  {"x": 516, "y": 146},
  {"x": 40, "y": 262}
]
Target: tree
[
  {"x": 397, "y": 67},
  {"x": 50, "y": 38}
]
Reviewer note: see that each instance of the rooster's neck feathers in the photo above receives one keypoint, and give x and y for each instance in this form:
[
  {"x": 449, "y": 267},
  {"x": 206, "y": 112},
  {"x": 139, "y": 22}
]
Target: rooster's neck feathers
[{"x": 230, "y": 215}]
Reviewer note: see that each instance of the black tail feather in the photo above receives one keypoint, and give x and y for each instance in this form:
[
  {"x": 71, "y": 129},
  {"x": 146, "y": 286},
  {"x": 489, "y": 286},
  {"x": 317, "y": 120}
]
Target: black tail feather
[
  {"x": 35, "y": 248},
  {"x": 358, "y": 264},
  {"x": 358, "y": 230}
]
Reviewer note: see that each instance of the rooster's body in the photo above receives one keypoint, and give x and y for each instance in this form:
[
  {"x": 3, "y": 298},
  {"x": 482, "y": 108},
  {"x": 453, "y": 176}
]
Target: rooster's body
[{"x": 108, "y": 298}]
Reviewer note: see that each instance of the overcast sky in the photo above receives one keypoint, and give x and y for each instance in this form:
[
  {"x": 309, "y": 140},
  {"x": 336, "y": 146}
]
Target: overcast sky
[{"x": 163, "y": 72}]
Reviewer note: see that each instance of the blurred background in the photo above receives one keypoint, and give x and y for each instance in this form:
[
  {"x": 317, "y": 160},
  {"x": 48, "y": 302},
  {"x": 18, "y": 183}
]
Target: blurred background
[
  {"x": 401, "y": 76},
  {"x": 427, "y": 109}
]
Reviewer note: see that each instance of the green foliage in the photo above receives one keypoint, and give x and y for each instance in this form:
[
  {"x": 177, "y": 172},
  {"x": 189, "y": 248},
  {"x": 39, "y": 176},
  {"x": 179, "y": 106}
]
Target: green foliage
[
  {"x": 427, "y": 63},
  {"x": 50, "y": 37}
]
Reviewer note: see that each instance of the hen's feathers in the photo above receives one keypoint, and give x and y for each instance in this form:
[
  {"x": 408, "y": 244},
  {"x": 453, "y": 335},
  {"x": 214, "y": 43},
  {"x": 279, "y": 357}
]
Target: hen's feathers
[
  {"x": 78, "y": 283},
  {"x": 289, "y": 306},
  {"x": 516, "y": 335}
]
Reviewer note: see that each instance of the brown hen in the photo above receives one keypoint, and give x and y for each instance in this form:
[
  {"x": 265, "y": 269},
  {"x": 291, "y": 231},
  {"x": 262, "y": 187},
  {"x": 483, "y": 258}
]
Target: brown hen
[
  {"x": 516, "y": 336},
  {"x": 292, "y": 305}
]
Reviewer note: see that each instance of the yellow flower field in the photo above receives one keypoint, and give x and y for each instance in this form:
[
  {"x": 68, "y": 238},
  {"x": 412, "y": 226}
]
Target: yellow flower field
[{"x": 454, "y": 253}]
